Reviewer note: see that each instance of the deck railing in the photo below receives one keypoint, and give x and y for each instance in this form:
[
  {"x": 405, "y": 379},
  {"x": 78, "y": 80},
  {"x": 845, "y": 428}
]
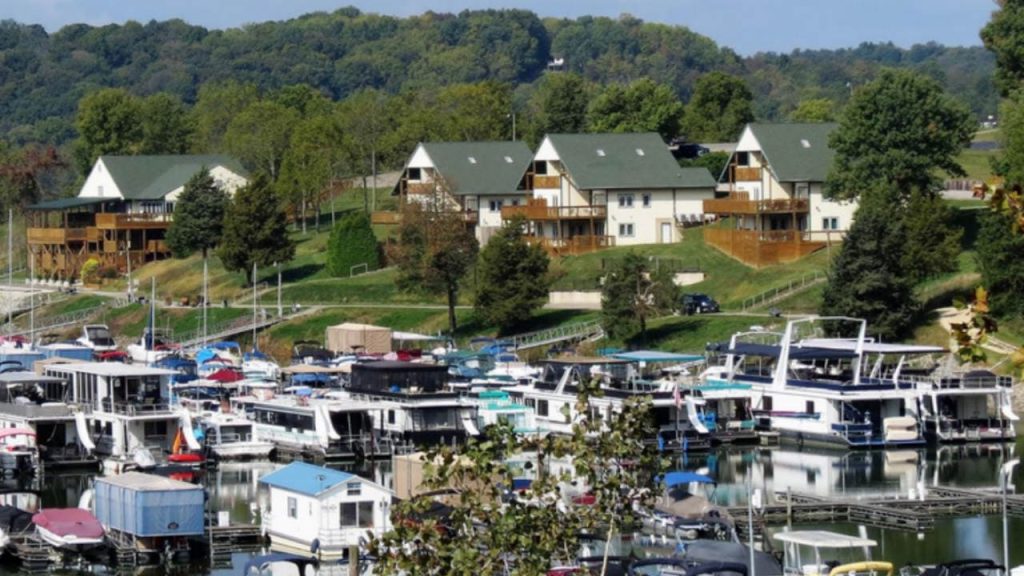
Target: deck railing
[
  {"x": 538, "y": 209},
  {"x": 740, "y": 203}
]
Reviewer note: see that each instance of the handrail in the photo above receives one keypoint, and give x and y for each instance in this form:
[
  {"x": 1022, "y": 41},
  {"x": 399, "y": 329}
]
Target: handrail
[
  {"x": 580, "y": 330},
  {"x": 774, "y": 294}
]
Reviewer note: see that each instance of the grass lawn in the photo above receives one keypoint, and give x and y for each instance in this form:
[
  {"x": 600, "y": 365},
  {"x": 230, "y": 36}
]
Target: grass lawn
[
  {"x": 977, "y": 163},
  {"x": 691, "y": 334}
]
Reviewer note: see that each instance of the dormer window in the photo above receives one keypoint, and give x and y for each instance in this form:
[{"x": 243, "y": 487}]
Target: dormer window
[{"x": 805, "y": 143}]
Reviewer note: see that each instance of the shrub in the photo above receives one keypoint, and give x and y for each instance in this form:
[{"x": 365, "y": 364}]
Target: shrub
[
  {"x": 352, "y": 243},
  {"x": 90, "y": 271}
]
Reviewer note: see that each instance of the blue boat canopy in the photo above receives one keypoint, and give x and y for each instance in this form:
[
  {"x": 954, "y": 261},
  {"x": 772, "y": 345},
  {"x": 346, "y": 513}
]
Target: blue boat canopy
[
  {"x": 655, "y": 356},
  {"x": 679, "y": 477},
  {"x": 225, "y": 345},
  {"x": 795, "y": 352}
]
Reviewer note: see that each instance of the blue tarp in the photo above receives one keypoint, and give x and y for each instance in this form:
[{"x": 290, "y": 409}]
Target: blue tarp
[
  {"x": 655, "y": 356},
  {"x": 679, "y": 477},
  {"x": 146, "y": 505}
]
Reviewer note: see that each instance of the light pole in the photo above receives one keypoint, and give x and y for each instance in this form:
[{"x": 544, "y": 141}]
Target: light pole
[
  {"x": 128, "y": 251},
  {"x": 512, "y": 115},
  {"x": 280, "y": 311}
]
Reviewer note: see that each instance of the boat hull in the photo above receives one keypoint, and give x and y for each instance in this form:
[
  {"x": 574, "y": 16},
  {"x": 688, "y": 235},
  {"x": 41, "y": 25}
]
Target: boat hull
[
  {"x": 243, "y": 450},
  {"x": 70, "y": 543}
]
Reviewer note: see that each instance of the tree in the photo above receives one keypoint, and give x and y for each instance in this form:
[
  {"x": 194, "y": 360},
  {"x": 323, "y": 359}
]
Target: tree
[
  {"x": 560, "y": 105},
  {"x": 719, "y": 109},
  {"x": 23, "y": 173},
  {"x": 198, "y": 224},
  {"x": 1000, "y": 264},
  {"x": 314, "y": 158},
  {"x": 109, "y": 121},
  {"x": 643, "y": 106},
  {"x": 814, "y": 110},
  {"x": 897, "y": 133},
  {"x": 474, "y": 112},
  {"x": 255, "y": 229},
  {"x": 166, "y": 125},
  {"x": 631, "y": 294},
  {"x": 867, "y": 279},
  {"x": 352, "y": 243},
  {"x": 259, "y": 136},
  {"x": 714, "y": 161},
  {"x": 435, "y": 250},
  {"x": 216, "y": 106},
  {"x": 512, "y": 278},
  {"x": 1004, "y": 36},
  {"x": 932, "y": 242}
]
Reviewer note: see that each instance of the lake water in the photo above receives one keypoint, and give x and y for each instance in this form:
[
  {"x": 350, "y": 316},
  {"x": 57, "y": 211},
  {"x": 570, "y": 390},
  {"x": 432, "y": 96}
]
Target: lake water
[{"x": 233, "y": 488}]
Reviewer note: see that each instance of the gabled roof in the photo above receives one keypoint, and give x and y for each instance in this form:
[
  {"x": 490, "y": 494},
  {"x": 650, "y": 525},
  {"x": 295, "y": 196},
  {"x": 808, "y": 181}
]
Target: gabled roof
[
  {"x": 153, "y": 177},
  {"x": 307, "y": 479},
  {"x": 796, "y": 152},
  {"x": 67, "y": 203},
  {"x": 484, "y": 168},
  {"x": 624, "y": 161}
]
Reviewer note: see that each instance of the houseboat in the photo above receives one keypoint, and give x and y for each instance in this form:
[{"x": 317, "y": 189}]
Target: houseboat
[
  {"x": 127, "y": 409},
  {"x": 416, "y": 405},
  {"x": 819, "y": 394},
  {"x": 39, "y": 404},
  {"x": 321, "y": 511},
  {"x": 496, "y": 407},
  {"x": 231, "y": 437},
  {"x": 553, "y": 396}
]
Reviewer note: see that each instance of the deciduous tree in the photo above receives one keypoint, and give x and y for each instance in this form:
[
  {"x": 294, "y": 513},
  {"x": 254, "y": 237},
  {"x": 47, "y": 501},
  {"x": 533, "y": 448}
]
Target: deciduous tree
[
  {"x": 632, "y": 294},
  {"x": 260, "y": 135},
  {"x": 313, "y": 159},
  {"x": 643, "y": 106},
  {"x": 1004, "y": 37},
  {"x": 167, "y": 126},
  {"x": 216, "y": 106},
  {"x": 512, "y": 278},
  {"x": 719, "y": 109},
  {"x": 814, "y": 110},
  {"x": 255, "y": 229},
  {"x": 109, "y": 121}
]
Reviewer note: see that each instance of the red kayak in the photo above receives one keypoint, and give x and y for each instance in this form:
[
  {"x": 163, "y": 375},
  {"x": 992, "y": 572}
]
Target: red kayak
[{"x": 186, "y": 458}]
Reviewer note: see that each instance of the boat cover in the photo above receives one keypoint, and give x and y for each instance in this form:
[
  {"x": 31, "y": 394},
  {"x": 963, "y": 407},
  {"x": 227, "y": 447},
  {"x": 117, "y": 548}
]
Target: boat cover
[
  {"x": 14, "y": 519},
  {"x": 69, "y": 522},
  {"x": 795, "y": 352},
  {"x": 719, "y": 551},
  {"x": 226, "y": 375}
]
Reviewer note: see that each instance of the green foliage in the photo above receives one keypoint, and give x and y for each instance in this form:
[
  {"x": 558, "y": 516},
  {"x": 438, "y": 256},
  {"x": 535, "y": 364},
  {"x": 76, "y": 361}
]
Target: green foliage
[
  {"x": 1004, "y": 36},
  {"x": 867, "y": 279},
  {"x": 632, "y": 294},
  {"x": 898, "y": 132},
  {"x": 814, "y": 110},
  {"x": 314, "y": 158},
  {"x": 714, "y": 161},
  {"x": 352, "y": 243},
  {"x": 559, "y": 106},
  {"x": 108, "y": 122},
  {"x": 260, "y": 134},
  {"x": 216, "y": 106},
  {"x": 1011, "y": 122},
  {"x": 642, "y": 106},
  {"x": 719, "y": 109},
  {"x": 90, "y": 271},
  {"x": 932, "y": 242},
  {"x": 167, "y": 127},
  {"x": 255, "y": 229},
  {"x": 198, "y": 217},
  {"x": 512, "y": 278},
  {"x": 999, "y": 250}
]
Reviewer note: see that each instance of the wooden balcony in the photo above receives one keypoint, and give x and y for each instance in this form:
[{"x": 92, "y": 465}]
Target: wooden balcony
[
  {"x": 740, "y": 203},
  {"x": 574, "y": 245},
  {"x": 537, "y": 209},
  {"x": 392, "y": 218},
  {"x": 545, "y": 182},
  {"x": 56, "y": 235},
  {"x": 745, "y": 174},
  {"x": 762, "y": 248},
  {"x": 132, "y": 221}
]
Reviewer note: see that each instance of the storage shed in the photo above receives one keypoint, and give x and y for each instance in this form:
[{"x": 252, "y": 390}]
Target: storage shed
[
  {"x": 147, "y": 506},
  {"x": 367, "y": 338}
]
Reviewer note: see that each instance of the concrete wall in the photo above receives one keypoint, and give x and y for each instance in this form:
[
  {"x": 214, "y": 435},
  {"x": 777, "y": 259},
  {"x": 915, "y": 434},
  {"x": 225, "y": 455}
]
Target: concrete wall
[{"x": 575, "y": 299}]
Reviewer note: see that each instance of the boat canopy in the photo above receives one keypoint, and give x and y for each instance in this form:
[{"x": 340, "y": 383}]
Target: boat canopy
[
  {"x": 872, "y": 347},
  {"x": 69, "y": 522},
  {"x": 795, "y": 352},
  {"x": 823, "y": 539},
  {"x": 225, "y": 345},
  {"x": 655, "y": 356},
  {"x": 403, "y": 336},
  {"x": 5, "y": 432},
  {"x": 226, "y": 376},
  {"x": 680, "y": 477}
]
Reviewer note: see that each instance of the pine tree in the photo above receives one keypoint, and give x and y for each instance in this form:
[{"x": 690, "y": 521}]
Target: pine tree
[
  {"x": 512, "y": 278},
  {"x": 198, "y": 217},
  {"x": 633, "y": 293},
  {"x": 352, "y": 243},
  {"x": 255, "y": 229}
]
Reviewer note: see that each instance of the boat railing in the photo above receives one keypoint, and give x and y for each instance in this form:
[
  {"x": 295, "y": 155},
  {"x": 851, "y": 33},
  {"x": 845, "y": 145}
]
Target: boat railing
[
  {"x": 131, "y": 409},
  {"x": 234, "y": 437}
]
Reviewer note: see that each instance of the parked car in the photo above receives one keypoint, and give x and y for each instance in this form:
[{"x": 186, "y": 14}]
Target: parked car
[{"x": 698, "y": 304}]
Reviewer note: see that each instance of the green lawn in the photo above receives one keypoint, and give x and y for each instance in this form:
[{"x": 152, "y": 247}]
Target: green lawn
[
  {"x": 977, "y": 163},
  {"x": 692, "y": 333}
]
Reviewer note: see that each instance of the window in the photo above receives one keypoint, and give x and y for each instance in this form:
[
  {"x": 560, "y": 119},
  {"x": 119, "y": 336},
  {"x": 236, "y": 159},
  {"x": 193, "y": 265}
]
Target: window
[
  {"x": 542, "y": 408},
  {"x": 353, "y": 488},
  {"x": 600, "y": 152},
  {"x": 414, "y": 174},
  {"x": 626, "y": 230},
  {"x": 357, "y": 514},
  {"x": 830, "y": 223},
  {"x": 365, "y": 514},
  {"x": 496, "y": 205},
  {"x": 625, "y": 200},
  {"x": 809, "y": 407},
  {"x": 515, "y": 202},
  {"x": 508, "y": 159},
  {"x": 639, "y": 151},
  {"x": 766, "y": 403},
  {"x": 293, "y": 507},
  {"x": 391, "y": 416},
  {"x": 472, "y": 160},
  {"x": 646, "y": 200}
]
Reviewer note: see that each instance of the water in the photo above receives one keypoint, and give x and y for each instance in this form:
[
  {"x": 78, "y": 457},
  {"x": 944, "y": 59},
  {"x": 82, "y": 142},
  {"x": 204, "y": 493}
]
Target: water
[{"x": 234, "y": 489}]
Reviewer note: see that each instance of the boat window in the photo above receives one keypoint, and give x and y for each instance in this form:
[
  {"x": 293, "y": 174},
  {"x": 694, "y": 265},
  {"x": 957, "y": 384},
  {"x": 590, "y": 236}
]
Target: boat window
[
  {"x": 542, "y": 408},
  {"x": 766, "y": 403},
  {"x": 391, "y": 416},
  {"x": 354, "y": 488},
  {"x": 809, "y": 407},
  {"x": 349, "y": 514},
  {"x": 293, "y": 507},
  {"x": 366, "y": 514}
]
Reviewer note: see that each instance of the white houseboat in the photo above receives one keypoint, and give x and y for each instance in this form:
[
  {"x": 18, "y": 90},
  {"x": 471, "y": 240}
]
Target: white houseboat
[
  {"x": 232, "y": 437},
  {"x": 38, "y": 404}
]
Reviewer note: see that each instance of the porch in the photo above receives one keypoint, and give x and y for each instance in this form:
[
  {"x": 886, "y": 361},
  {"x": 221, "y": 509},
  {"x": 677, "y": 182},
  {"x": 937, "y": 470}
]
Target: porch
[
  {"x": 537, "y": 209},
  {"x": 740, "y": 203},
  {"x": 760, "y": 248}
]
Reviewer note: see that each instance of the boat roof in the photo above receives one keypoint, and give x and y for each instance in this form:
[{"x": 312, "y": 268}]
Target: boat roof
[
  {"x": 871, "y": 347},
  {"x": 141, "y": 481},
  {"x": 307, "y": 479},
  {"x": 21, "y": 377},
  {"x": 5, "y": 432},
  {"x": 824, "y": 539},
  {"x": 655, "y": 356},
  {"x": 113, "y": 369},
  {"x": 586, "y": 360},
  {"x": 398, "y": 335},
  {"x": 795, "y": 352},
  {"x": 680, "y": 477},
  {"x": 314, "y": 369}
]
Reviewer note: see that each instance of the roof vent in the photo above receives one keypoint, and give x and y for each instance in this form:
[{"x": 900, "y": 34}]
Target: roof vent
[
  {"x": 508, "y": 159},
  {"x": 805, "y": 143},
  {"x": 639, "y": 151},
  {"x": 472, "y": 160},
  {"x": 600, "y": 152}
]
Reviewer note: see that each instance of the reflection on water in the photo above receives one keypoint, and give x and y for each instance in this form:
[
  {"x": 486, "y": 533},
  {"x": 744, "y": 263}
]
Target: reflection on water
[{"x": 234, "y": 490}]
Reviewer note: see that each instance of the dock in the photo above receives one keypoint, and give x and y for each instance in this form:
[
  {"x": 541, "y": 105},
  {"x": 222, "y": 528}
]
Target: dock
[
  {"x": 891, "y": 513},
  {"x": 32, "y": 554}
]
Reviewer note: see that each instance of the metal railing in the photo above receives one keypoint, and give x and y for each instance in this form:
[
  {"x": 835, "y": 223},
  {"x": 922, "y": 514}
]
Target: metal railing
[
  {"x": 59, "y": 321},
  {"x": 570, "y": 332},
  {"x": 779, "y": 292}
]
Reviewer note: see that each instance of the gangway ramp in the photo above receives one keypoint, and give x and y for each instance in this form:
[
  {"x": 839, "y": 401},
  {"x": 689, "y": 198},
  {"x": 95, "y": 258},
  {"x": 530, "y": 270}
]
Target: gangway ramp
[{"x": 576, "y": 332}]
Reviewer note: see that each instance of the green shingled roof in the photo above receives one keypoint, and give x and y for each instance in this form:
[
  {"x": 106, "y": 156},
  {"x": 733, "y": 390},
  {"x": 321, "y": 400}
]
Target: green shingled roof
[
  {"x": 797, "y": 152},
  {"x": 67, "y": 203},
  {"x": 483, "y": 168},
  {"x": 153, "y": 177},
  {"x": 624, "y": 161}
]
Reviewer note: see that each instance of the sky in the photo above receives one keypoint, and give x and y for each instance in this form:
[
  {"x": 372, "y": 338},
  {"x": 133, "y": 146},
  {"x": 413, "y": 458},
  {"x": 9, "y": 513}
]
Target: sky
[{"x": 747, "y": 26}]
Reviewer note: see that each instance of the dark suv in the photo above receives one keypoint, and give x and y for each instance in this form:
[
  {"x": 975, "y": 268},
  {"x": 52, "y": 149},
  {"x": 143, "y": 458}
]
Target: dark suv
[{"x": 698, "y": 304}]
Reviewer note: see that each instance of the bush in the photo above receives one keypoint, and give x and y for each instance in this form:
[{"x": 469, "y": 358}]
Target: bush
[
  {"x": 90, "y": 271},
  {"x": 352, "y": 243},
  {"x": 108, "y": 272}
]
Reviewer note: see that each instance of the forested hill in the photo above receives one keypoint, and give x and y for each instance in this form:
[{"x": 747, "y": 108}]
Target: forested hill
[{"x": 43, "y": 76}]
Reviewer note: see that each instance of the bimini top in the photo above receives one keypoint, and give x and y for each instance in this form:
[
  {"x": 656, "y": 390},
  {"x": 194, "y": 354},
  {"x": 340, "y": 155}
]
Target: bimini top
[
  {"x": 824, "y": 539},
  {"x": 655, "y": 356},
  {"x": 679, "y": 477},
  {"x": 796, "y": 352},
  {"x": 872, "y": 347}
]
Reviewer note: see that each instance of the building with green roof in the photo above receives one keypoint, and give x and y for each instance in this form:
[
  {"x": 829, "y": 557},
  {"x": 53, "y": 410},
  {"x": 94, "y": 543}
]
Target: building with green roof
[
  {"x": 122, "y": 212},
  {"x": 590, "y": 191},
  {"x": 774, "y": 209}
]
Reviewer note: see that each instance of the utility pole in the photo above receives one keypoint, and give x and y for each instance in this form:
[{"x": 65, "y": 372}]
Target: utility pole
[
  {"x": 10, "y": 263},
  {"x": 280, "y": 311}
]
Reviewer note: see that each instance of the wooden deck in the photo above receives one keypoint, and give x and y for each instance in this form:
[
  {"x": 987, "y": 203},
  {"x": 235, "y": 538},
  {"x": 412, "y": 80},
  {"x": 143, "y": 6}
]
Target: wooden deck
[
  {"x": 740, "y": 203},
  {"x": 762, "y": 248},
  {"x": 537, "y": 209}
]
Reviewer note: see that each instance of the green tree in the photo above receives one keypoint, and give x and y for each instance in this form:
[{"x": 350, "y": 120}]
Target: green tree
[
  {"x": 166, "y": 125},
  {"x": 1004, "y": 37},
  {"x": 1002, "y": 268},
  {"x": 255, "y": 229},
  {"x": 311, "y": 163},
  {"x": 472, "y": 112},
  {"x": 109, "y": 121},
  {"x": 633, "y": 293},
  {"x": 643, "y": 106},
  {"x": 1010, "y": 163},
  {"x": 714, "y": 161},
  {"x": 719, "y": 109},
  {"x": 216, "y": 106},
  {"x": 259, "y": 136},
  {"x": 560, "y": 105},
  {"x": 867, "y": 279},
  {"x": 932, "y": 242},
  {"x": 814, "y": 110},
  {"x": 898, "y": 133},
  {"x": 512, "y": 278},
  {"x": 352, "y": 243}
]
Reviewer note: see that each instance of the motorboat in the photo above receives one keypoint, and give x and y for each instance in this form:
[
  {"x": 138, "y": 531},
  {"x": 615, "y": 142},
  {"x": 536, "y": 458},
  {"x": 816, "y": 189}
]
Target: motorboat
[
  {"x": 310, "y": 352},
  {"x": 256, "y": 364},
  {"x": 230, "y": 437},
  {"x": 824, "y": 553},
  {"x": 965, "y": 567},
  {"x": 152, "y": 347},
  {"x": 19, "y": 453},
  {"x": 71, "y": 529},
  {"x": 98, "y": 338},
  {"x": 225, "y": 350},
  {"x": 681, "y": 509}
]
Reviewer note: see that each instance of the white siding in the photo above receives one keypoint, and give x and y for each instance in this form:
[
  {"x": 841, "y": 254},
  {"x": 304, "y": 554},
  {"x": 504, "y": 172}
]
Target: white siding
[
  {"x": 99, "y": 184},
  {"x": 822, "y": 209},
  {"x": 648, "y": 222}
]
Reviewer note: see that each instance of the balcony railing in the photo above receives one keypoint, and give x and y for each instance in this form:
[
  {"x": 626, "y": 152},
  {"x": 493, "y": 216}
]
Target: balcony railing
[
  {"x": 56, "y": 235},
  {"x": 133, "y": 220},
  {"x": 762, "y": 247},
  {"x": 573, "y": 245},
  {"x": 538, "y": 209},
  {"x": 745, "y": 174},
  {"x": 546, "y": 182},
  {"x": 740, "y": 203}
]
